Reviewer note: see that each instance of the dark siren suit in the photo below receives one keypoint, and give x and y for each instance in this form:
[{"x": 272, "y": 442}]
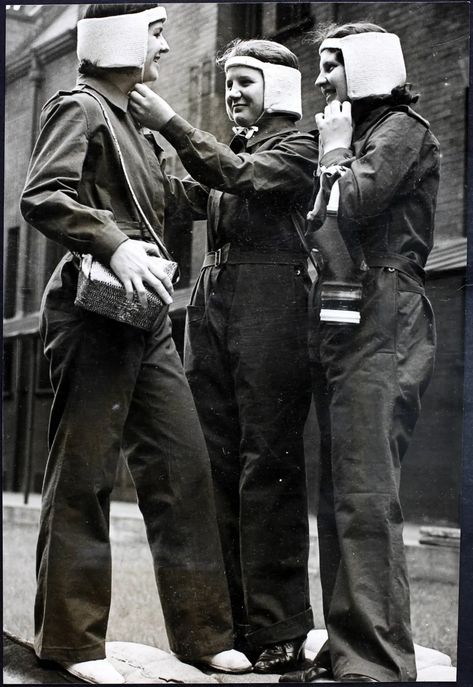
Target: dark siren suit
[
  {"x": 115, "y": 388},
  {"x": 368, "y": 382},
  {"x": 246, "y": 359}
]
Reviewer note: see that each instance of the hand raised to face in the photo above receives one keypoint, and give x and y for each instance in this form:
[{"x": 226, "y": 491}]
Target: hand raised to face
[
  {"x": 149, "y": 108},
  {"x": 335, "y": 125}
]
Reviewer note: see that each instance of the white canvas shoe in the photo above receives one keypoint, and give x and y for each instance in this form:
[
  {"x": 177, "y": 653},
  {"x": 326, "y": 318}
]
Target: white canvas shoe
[
  {"x": 99, "y": 672},
  {"x": 230, "y": 661}
]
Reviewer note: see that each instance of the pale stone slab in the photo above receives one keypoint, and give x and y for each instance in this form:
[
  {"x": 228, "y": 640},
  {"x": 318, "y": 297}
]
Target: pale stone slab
[
  {"x": 429, "y": 662},
  {"x": 437, "y": 674},
  {"x": 314, "y": 642},
  {"x": 427, "y": 658},
  {"x": 141, "y": 664},
  {"x": 146, "y": 664}
]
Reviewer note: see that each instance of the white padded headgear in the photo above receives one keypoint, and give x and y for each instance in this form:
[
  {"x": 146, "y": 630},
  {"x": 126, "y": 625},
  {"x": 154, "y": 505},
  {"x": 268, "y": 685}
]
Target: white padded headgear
[
  {"x": 374, "y": 63},
  {"x": 117, "y": 41},
  {"x": 282, "y": 84}
]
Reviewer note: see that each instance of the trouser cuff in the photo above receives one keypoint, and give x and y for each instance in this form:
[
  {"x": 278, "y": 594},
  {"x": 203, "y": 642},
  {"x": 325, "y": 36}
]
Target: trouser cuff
[
  {"x": 64, "y": 655},
  {"x": 379, "y": 673},
  {"x": 283, "y": 631}
]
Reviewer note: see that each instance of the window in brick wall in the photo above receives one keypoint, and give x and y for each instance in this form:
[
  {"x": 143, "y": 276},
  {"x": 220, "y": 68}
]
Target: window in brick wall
[
  {"x": 11, "y": 272},
  {"x": 43, "y": 382},
  {"x": 8, "y": 366},
  {"x": 54, "y": 253},
  {"x": 292, "y": 17},
  {"x": 252, "y": 20},
  {"x": 194, "y": 91},
  {"x": 194, "y": 82},
  {"x": 207, "y": 77},
  {"x": 291, "y": 13}
]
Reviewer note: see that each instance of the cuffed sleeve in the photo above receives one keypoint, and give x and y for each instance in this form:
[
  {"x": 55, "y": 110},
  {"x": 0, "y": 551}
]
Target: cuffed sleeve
[{"x": 336, "y": 157}]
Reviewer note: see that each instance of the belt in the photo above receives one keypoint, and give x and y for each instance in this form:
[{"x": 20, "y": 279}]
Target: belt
[
  {"x": 232, "y": 255},
  {"x": 134, "y": 230},
  {"x": 138, "y": 236},
  {"x": 397, "y": 262}
]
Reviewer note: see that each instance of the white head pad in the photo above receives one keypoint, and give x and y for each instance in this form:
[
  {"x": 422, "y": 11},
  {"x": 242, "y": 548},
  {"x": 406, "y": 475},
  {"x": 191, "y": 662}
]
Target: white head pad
[
  {"x": 118, "y": 41},
  {"x": 374, "y": 63},
  {"x": 282, "y": 85}
]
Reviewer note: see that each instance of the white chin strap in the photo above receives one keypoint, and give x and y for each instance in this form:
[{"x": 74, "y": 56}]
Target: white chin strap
[
  {"x": 118, "y": 41},
  {"x": 374, "y": 63},
  {"x": 282, "y": 85}
]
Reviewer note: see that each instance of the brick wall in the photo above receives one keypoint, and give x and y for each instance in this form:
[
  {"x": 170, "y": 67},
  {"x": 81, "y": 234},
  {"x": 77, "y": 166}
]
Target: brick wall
[
  {"x": 17, "y": 30},
  {"x": 17, "y": 146},
  {"x": 435, "y": 43},
  {"x": 191, "y": 34},
  {"x": 434, "y": 37}
]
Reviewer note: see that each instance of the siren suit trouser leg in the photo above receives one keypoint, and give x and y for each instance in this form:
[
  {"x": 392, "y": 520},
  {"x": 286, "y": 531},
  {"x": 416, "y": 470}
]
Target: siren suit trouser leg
[
  {"x": 368, "y": 382},
  {"x": 247, "y": 363},
  {"x": 116, "y": 388}
]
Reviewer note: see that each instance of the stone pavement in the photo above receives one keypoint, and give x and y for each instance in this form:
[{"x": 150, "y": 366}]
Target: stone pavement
[
  {"x": 126, "y": 524},
  {"x": 148, "y": 664},
  {"x": 141, "y": 664}
]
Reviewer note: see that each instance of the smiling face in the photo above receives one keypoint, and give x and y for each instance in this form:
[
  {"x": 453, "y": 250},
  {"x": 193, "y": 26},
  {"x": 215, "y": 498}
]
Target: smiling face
[
  {"x": 157, "y": 45},
  {"x": 244, "y": 94},
  {"x": 332, "y": 79}
]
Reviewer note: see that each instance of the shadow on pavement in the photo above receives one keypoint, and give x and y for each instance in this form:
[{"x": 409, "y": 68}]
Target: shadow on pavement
[{"x": 20, "y": 665}]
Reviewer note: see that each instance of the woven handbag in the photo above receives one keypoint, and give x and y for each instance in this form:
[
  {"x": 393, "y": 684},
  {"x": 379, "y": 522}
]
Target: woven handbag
[
  {"x": 101, "y": 292},
  {"x": 98, "y": 288}
]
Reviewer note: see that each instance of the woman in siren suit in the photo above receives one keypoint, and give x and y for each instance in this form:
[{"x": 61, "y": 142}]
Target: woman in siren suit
[
  {"x": 115, "y": 386},
  {"x": 246, "y": 352},
  {"x": 369, "y": 377}
]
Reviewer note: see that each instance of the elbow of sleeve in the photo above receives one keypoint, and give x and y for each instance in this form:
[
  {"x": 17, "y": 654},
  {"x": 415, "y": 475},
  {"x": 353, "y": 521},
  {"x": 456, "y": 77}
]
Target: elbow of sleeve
[
  {"x": 354, "y": 212},
  {"x": 27, "y": 209},
  {"x": 350, "y": 218},
  {"x": 362, "y": 203}
]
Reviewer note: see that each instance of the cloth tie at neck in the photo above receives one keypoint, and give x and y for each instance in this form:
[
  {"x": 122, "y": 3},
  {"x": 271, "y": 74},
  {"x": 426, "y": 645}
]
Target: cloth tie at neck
[{"x": 245, "y": 131}]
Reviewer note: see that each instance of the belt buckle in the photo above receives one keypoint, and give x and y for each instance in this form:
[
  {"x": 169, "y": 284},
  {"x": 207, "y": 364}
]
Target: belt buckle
[{"x": 218, "y": 257}]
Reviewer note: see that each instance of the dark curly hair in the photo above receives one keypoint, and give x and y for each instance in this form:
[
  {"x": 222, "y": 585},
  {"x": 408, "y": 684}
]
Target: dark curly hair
[
  {"x": 98, "y": 11},
  {"x": 401, "y": 95}
]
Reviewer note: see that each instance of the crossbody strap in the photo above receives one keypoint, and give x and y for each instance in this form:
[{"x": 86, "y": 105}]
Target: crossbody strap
[
  {"x": 154, "y": 235},
  {"x": 299, "y": 223}
]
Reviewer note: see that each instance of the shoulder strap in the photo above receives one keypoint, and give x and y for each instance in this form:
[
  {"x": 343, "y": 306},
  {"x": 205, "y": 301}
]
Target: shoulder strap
[
  {"x": 300, "y": 223},
  {"x": 146, "y": 222}
]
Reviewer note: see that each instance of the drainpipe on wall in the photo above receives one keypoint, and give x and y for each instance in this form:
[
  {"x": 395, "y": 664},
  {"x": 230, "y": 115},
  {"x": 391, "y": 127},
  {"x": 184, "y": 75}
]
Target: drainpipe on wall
[
  {"x": 29, "y": 344},
  {"x": 36, "y": 77}
]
